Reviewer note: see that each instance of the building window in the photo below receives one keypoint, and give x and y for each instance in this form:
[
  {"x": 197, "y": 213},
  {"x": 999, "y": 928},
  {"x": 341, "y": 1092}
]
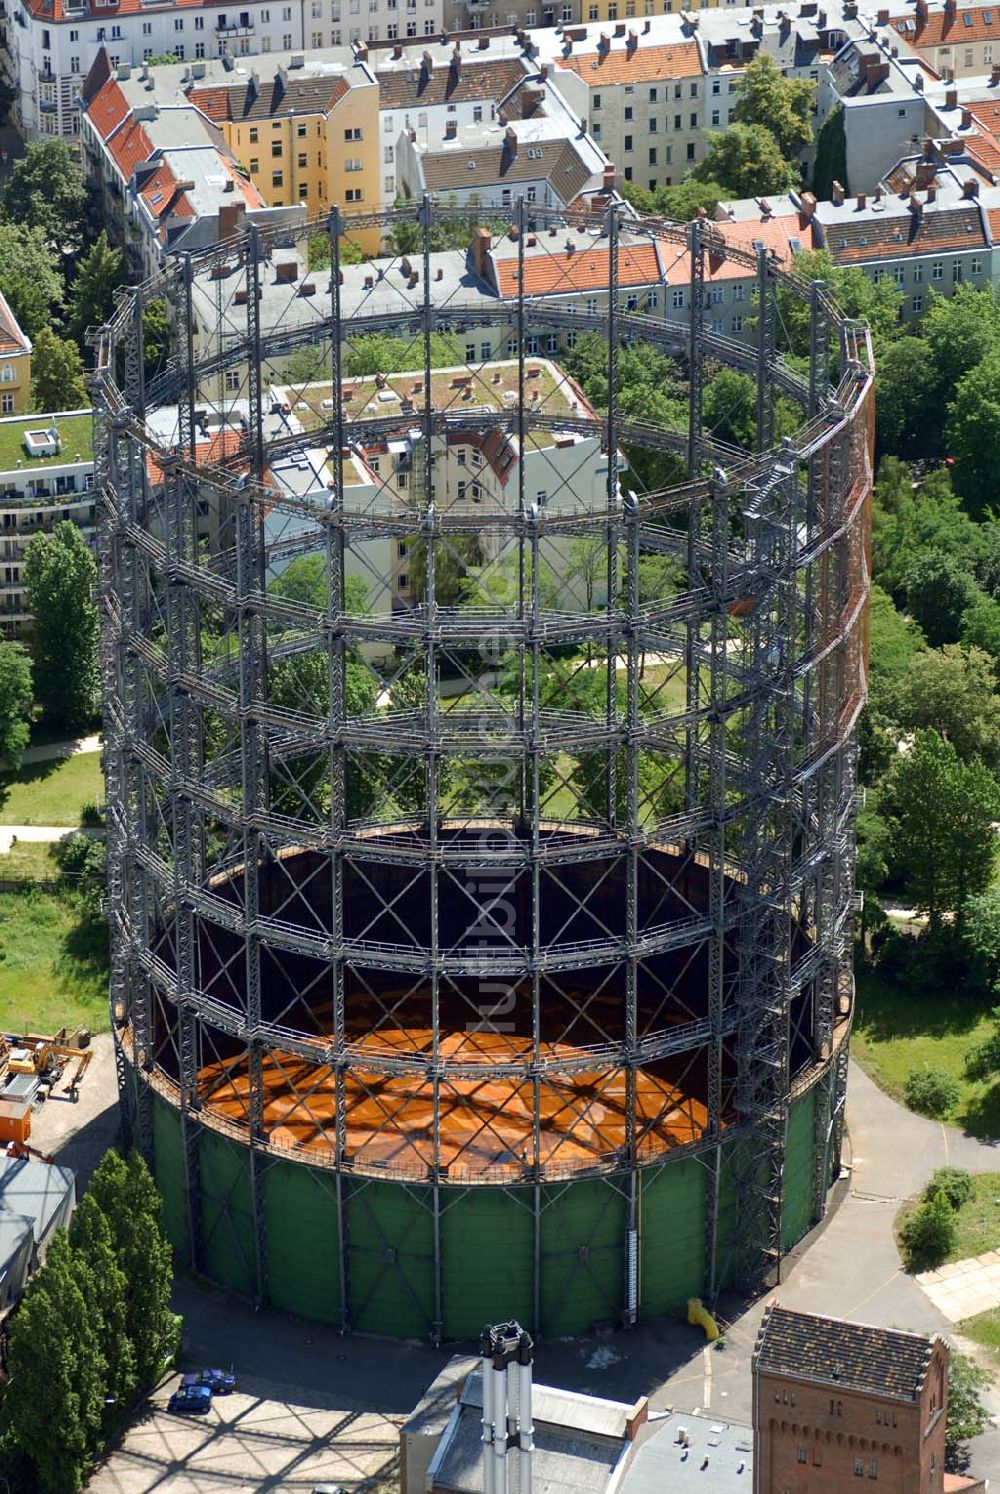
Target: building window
[
  {"x": 801, "y": 1455},
  {"x": 956, "y": 271},
  {"x": 628, "y": 142},
  {"x": 628, "y": 113},
  {"x": 937, "y": 270},
  {"x": 652, "y": 300},
  {"x": 690, "y": 151},
  {"x": 303, "y": 160},
  {"x": 199, "y": 49},
  {"x": 737, "y": 324},
  {"x": 232, "y": 380},
  {"x": 254, "y": 136},
  {"x": 652, "y": 155},
  {"x": 277, "y": 150},
  {"x": 7, "y": 403},
  {"x": 632, "y": 301},
  {"x": 976, "y": 266},
  {"x": 254, "y": 165},
  {"x": 918, "y": 273},
  {"x": 390, "y": 186},
  {"x": 859, "y": 1467},
  {"x": 595, "y": 103},
  {"x": 873, "y": 1468},
  {"x": 462, "y": 489},
  {"x": 715, "y": 116},
  {"x": 678, "y": 300},
  {"x": 354, "y": 194},
  {"x": 354, "y": 164},
  {"x": 354, "y": 134},
  {"x": 277, "y": 179},
  {"x": 485, "y": 351},
  {"x": 470, "y": 352}
]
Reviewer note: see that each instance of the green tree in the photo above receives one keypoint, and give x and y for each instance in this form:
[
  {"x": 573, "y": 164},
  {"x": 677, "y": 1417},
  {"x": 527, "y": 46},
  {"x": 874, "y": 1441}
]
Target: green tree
[
  {"x": 127, "y": 1197},
  {"x": 856, "y": 294},
  {"x": 961, "y": 330},
  {"x": 908, "y": 400},
  {"x": 8, "y": 98},
  {"x": 782, "y": 105},
  {"x": 57, "y": 374},
  {"x": 981, "y": 626},
  {"x": 730, "y": 408},
  {"x": 911, "y": 518},
  {"x": 106, "y": 1289},
  {"x": 155, "y": 335},
  {"x": 305, "y": 579},
  {"x": 939, "y": 591},
  {"x": 374, "y": 353},
  {"x": 682, "y": 201},
  {"x": 972, "y": 432},
  {"x": 830, "y": 164},
  {"x": 954, "y": 690},
  {"x": 966, "y": 1417},
  {"x": 747, "y": 160},
  {"x": 928, "y": 1234},
  {"x": 894, "y": 639},
  {"x": 940, "y": 814},
  {"x": 46, "y": 190},
  {"x": 15, "y": 701},
  {"x": 29, "y": 276},
  {"x": 91, "y": 297},
  {"x": 55, "y": 1394},
  {"x": 61, "y": 579}
]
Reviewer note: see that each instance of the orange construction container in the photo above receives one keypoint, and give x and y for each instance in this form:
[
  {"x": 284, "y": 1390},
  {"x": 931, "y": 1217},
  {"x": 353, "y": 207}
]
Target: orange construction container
[{"x": 15, "y": 1121}]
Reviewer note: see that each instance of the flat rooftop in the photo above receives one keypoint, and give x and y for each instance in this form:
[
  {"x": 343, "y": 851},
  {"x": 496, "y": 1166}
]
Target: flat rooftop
[{"x": 76, "y": 439}]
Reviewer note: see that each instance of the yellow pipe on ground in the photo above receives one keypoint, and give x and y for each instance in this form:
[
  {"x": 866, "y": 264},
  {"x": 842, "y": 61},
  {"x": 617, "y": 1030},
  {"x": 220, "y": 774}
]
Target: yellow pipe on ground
[{"x": 700, "y": 1317}]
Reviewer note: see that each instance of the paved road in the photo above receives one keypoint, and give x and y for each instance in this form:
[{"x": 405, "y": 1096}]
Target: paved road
[{"x": 849, "y": 1268}]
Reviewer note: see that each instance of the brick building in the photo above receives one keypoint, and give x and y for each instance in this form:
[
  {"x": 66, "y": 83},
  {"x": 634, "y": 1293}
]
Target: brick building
[{"x": 839, "y": 1406}]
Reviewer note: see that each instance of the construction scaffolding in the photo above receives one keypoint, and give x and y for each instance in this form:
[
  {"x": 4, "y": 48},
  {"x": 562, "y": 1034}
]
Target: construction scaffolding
[{"x": 481, "y": 815}]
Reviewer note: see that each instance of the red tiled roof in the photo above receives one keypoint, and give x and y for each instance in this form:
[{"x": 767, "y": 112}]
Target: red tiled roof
[
  {"x": 943, "y": 30},
  {"x": 641, "y": 65},
  {"x": 55, "y": 10},
  {"x": 12, "y": 339},
  {"x": 108, "y": 109},
  {"x": 130, "y": 147},
  {"x": 241, "y": 101},
  {"x": 221, "y": 446},
  {"x": 583, "y": 270},
  {"x": 776, "y": 234},
  {"x": 213, "y": 102}
]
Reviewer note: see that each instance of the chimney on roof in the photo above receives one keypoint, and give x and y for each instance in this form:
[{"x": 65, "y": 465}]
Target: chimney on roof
[
  {"x": 253, "y": 87},
  {"x": 920, "y": 12},
  {"x": 620, "y": 28},
  {"x": 808, "y": 201},
  {"x": 883, "y": 18},
  {"x": 456, "y": 59},
  {"x": 530, "y": 100},
  {"x": 510, "y": 140},
  {"x": 232, "y": 216},
  {"x": 862, "y": 201},
  {"x": 924, "y": 174},
  {"x": 878, "y": 194},
  {"x": 479, "y": 251},
  {"x": 970, "y": 187},
  {"x": 932, "y": 193},
  {"x": 604, "y": 42},
  {"x": 951, "y": 98},
  {"x": 950, "y": 10},
  {"x": 837, "y": 194},
  {"x": 916, "y": 206},
  {"x": 397, "y": 50},
  {"x": 632, "y": 42},
  {"x": 609, "y": 177},
  {"x": 966, "y": 118},
  {"x": 483, "y": 43},
  {"x": 647, "y": 26},
  {"x": 995, "y": 75}
]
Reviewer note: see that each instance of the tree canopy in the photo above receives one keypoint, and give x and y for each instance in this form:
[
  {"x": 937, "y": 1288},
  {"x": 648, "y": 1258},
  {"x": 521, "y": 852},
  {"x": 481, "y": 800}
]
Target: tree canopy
[
  {"x": 57, "y": 381},
  {"x": 61, "y": 579},
  {"x": 29, "y": 276},
  {"x": 973, "y": 432},
  {"x": 747, "y": 160},
  {"x": 782, "y": 105},
  {"x": 46, "y": 190},
  {"x": 15, "y": 701},
  {"x": 91, "y": 297}
]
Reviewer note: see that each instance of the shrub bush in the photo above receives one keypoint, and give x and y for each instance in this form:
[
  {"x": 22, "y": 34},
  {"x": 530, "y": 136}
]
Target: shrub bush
[
  {"x": 928, "y": 1234},
  {"x": 930, "y": 1092},
  {"x": 952, "y": 1183}
]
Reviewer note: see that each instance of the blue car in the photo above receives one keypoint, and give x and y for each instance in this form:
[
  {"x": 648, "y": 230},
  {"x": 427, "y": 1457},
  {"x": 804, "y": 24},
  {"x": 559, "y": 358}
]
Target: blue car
[
  {"x": 190, "y": 1400},
  {"x": 219, "y": 1382}
]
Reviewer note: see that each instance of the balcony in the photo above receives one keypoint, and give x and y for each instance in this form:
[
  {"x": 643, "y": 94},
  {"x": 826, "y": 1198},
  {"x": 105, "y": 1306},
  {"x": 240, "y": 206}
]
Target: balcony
[{"x": 229, "y": 25}]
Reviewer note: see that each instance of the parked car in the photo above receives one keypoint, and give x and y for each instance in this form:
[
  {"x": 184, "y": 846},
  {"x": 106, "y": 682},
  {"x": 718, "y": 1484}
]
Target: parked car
[
  {"x": 219, "y": 1382},
  {"x": 190, "y": 1400}
]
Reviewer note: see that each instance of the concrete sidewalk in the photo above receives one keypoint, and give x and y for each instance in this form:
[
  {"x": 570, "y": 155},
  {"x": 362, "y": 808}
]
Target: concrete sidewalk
[{"x": 43, "y": 834}]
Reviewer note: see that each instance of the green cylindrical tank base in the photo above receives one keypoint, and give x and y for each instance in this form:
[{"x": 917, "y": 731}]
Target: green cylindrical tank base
[{"x": 411, "y": 1261}]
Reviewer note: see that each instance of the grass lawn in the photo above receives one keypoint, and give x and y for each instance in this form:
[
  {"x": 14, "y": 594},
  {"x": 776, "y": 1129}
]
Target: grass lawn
[
  {"x": 76, "y": 432},
  {"x": 51, "y": 793},
  {"x": 896, "y": 1032},
  {"x": 32, "y": 860},
  {"x": 977, "y": 1223},
  {"x": 53, "y": 969},
  {"x": 984, "y": 1329}
]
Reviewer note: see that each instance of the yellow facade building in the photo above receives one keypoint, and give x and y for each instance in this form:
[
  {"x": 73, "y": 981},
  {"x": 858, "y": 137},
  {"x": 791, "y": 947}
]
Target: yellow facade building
[
  {"x": 305, "y": 136},
  {"x": 15, "y": 364}
]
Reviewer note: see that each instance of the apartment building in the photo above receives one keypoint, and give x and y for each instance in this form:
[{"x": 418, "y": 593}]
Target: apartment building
[
  {"x": 165, "y": 176},
  {"x": 535, "y": 147},
  {"x": 46, "y": 474},
  {"x": 335, "y": 23},
  {"x": 440, "y": 90},
  {"x": 47, "y": 47},
  {"x": 957, "y": 41},
  {"x": 15, "y": 363},
  {"x": 306, "y": 132},
  {"x": 641, "y": 91}
]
